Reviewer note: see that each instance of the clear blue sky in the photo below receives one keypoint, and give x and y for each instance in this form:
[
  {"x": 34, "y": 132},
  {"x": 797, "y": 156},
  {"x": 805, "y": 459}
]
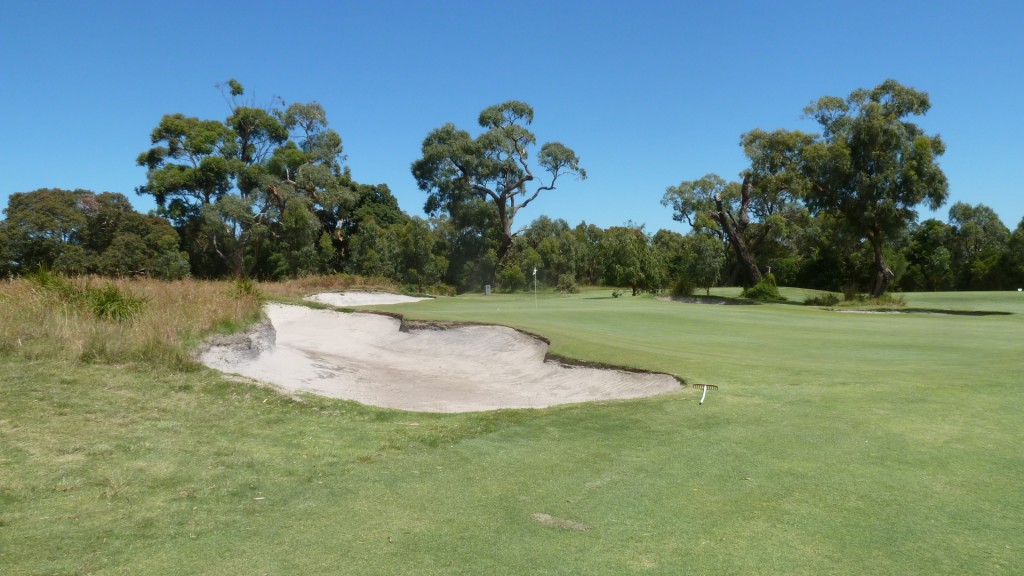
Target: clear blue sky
[{"x": 647, "y": 93}]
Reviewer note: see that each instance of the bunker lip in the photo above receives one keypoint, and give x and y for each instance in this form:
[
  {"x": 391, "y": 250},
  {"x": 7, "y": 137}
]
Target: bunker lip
[{"x": 377, "y": 359}]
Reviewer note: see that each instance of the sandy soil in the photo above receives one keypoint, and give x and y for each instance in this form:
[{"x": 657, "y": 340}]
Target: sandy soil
[
  {"x": 369, "y": 359},
  {"x": 343, "y": 299}
]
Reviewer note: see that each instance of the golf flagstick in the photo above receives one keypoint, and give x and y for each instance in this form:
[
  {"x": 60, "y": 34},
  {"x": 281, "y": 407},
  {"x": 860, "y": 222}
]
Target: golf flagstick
[{"x": 534, "y": 287}]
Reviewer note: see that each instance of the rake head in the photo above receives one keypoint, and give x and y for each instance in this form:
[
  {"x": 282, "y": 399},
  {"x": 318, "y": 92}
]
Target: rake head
[{"x": 706, "y": 386}]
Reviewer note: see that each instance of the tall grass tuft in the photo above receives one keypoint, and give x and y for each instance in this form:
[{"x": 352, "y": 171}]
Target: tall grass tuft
[
  {"x": 110, "y": 303},
  {"x": 107, "y": 303}
]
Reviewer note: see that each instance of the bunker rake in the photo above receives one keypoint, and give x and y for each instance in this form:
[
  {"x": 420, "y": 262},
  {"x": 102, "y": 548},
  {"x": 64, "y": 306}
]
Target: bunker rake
[{"x": 705, "y": 387}]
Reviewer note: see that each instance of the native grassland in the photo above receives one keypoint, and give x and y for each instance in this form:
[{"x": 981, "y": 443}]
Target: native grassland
[{"x": 837, "y": 443}]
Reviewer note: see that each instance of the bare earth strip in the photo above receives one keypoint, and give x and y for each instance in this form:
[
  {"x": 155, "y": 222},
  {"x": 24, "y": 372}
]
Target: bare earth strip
[{"x": 367, "y": 358}]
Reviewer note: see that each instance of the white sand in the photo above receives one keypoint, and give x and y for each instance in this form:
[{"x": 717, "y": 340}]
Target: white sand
[
  {"x": 366, "y": 358},
  {"x": 344, "y": 299}
]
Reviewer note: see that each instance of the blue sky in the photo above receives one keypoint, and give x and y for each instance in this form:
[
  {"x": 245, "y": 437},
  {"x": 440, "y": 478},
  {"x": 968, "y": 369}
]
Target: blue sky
[{"x": 648, "y": 94}]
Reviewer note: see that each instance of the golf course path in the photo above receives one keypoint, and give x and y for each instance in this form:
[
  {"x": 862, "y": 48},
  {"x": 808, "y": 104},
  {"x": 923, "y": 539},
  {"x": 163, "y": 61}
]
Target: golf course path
[{"x": 367, "y": 358}]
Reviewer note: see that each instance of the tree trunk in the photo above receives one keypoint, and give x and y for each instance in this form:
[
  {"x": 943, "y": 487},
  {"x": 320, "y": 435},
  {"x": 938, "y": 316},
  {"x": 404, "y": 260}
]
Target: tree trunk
[
  {"x": 734, "y": 232},
  {"x": 504, "y": 246},
  {"x": 746, "y": 259},
  {"x": 506, "y": 232},
  {"x": 883, "y": 274}
]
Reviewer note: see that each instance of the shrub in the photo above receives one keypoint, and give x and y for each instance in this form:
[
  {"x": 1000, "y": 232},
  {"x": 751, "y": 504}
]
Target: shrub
[
  {"x": 683, "y": 287},
  {"x": 247, "y": 288},
  {"x": 850, "y": 294},
  {"x": 511, "y": 278},
  {"x": 890, "y": 299},
  {"x": 567, "y": 284},
  {"x": 763, "y": 290},
  {"x": 826, "y": 299},
  {"x": 171, "y": 265}
]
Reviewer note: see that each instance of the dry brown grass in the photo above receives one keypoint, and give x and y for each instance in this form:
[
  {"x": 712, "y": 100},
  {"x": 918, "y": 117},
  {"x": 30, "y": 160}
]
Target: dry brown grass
[
  {"x": 299, "y": 287},
  {"x": 37, "y": 322},
  {"x": 41, "y": 323}
]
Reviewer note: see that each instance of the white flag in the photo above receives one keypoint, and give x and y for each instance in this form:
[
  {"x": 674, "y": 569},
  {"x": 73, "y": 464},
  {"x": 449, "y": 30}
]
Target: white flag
[{"x": 534, "y": 271}]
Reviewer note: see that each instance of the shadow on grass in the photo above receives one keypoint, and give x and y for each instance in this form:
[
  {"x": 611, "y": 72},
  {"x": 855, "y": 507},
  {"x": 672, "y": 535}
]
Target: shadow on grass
[
  {"x": 937, "y": 311},
  {"x": 721, "y": 300}
]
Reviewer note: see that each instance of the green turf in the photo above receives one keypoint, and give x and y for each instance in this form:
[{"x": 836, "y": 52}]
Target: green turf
[{"x": 837, "y": 443}]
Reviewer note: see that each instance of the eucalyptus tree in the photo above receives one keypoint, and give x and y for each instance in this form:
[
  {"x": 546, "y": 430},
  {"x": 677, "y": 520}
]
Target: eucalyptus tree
[
  {"x": 978, "y": 241},
  {"x": 586, "y": 240},
  {"x": 81, "y": 232},
  {"x": 930, "y": 260},
  {"x": 242, "y": 189},
  {"x": 555, "y": 245},
  {"x": 631, "y": 260},
  {"x": 39, "y": 226},
  {"x": 752, "y": 216},
  {"x": 871, "y": 167},
  {"x": 703, "y": 258},
  {"x": 1012, "y": 261},
  {"x": 494, "y": 167}
]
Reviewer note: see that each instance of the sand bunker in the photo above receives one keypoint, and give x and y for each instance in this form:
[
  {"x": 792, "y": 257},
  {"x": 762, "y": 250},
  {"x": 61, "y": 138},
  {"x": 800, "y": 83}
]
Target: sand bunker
[
  {"x": 344, "y": 299},
  {"x": 369, "y": 359}
]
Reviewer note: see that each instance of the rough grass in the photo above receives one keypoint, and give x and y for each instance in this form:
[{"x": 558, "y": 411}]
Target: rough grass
[
  {"x": 155, "y": 322},
  {"x": 835, "y": 444},
  {"x": 40, "y": 323}
]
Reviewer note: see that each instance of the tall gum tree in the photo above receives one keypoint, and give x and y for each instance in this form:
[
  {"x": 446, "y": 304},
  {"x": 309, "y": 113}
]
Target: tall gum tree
[
  {"x": 746, "y": 214},
  {"x": 871, "y": 167},
  {"x": 978, "y": 240},
  {"x": 711, "y": 204},
  {"x": 264, "y": 179},
  {"x": 456, "y": 168}
]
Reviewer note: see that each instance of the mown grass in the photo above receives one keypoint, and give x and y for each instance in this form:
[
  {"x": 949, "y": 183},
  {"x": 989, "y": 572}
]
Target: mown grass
[{"x": 836, "y": 444}]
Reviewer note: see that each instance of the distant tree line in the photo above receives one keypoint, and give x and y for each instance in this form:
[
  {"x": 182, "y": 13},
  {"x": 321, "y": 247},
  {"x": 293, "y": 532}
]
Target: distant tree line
[
  {"x": 265, "y": 194},
  {"x": 81, "y": 232}
]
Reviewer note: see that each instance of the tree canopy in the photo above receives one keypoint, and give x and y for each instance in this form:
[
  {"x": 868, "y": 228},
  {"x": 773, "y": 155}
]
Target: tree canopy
[
  {"x": 264, "y": 192},
  {"x": 79, "y": 232},
  {"x": 456, "y": 168},
  {"x": 243, "y": 189},
  {"x": 871, "y": 167},
  {"x": 752, "y": 215}
]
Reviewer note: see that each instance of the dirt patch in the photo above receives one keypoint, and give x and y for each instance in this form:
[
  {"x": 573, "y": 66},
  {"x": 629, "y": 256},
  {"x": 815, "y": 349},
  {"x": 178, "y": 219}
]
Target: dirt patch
[
  {"x": 369, "y": 358},
  {"x": 562, "y": 523},
  {"x": 259, "y": 338}
]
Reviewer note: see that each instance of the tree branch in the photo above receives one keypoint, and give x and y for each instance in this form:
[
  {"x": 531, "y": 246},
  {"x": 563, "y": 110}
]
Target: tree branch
[
  {"x": 486, "y": 191},
  {"x": 746, "y": 191},
  {"x": 539, "y": 190}
]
